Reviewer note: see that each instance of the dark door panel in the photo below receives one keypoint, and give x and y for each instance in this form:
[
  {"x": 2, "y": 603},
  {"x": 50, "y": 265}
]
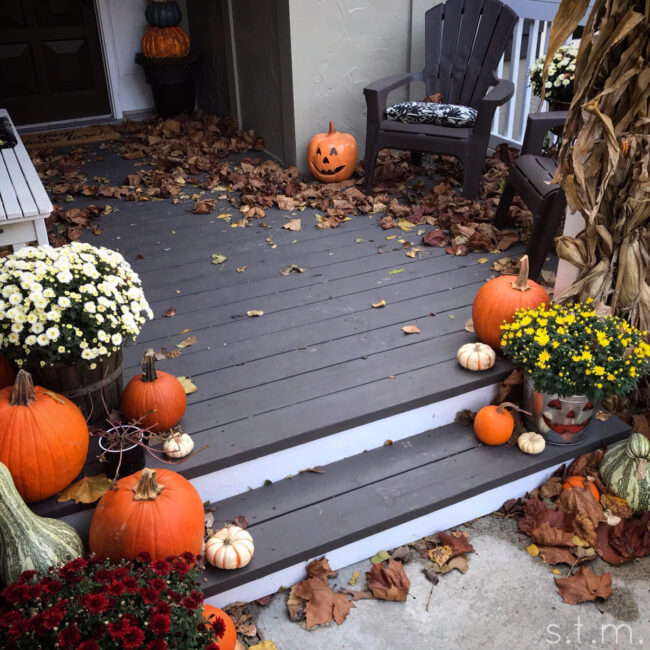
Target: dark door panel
[{"x": 50, "y": 61}]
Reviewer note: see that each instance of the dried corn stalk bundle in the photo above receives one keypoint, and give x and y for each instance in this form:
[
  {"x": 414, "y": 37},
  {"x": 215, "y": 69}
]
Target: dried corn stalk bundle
[{"x": 605, "y": 155}]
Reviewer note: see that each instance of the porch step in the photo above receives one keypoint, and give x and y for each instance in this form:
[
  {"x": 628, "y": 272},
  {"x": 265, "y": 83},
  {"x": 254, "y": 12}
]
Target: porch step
[{"x": 382, "y": 498}]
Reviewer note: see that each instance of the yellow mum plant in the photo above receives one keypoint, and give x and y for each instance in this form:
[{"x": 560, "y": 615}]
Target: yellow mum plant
[{"x": 570, "y": 350}]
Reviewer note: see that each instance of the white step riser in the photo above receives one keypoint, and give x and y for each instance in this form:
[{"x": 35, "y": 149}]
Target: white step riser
[
  {"x": 228, "y": 482},
  {"x": 274, "y": 467},
  {"x": 454, "y": 515}
]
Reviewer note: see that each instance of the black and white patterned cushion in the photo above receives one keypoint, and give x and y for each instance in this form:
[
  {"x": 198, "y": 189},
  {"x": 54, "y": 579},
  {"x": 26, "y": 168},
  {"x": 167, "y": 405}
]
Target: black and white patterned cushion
[{"x": 433, "y": 113}]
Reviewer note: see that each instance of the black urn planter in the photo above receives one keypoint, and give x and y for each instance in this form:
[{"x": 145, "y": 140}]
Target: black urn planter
[{"x": 172, "y": 83}]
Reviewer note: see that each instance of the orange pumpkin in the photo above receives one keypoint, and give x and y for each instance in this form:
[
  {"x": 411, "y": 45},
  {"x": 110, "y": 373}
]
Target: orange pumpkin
[
  {"x": 158, "y": 511},
  {"x": 7, "y": 373},
  {"x": 498, "y": 300},
  {"x": 581, "y": 481},
  {"x": 223, "y": 626},
  {"x": 332, "y": 156},
  {"x": 43, "y": 438},
  {"x": 165, "y": 42},
  {"x": 154, "y": 399},
  {"x": 493, "y": 424}
]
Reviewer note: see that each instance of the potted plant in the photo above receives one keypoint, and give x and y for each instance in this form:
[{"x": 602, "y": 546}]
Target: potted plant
[
  {"x": 572, "y": 359},
  {"x": 91, "y": 604},
  {"x": 65, "y": 314},
  {"x": 169, "y": 64},
  {"x": 558, "y": 88}
]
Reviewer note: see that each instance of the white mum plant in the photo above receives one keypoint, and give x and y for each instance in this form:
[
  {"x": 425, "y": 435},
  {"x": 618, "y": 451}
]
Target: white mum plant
[
  {"x": 70, "y": 305},
  {"x": 561, "y": 75}
]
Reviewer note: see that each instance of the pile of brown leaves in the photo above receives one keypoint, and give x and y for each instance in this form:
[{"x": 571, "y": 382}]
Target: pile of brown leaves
[
  {"x": 571, "y": 527},
  {"x": 183, "y": 159}
]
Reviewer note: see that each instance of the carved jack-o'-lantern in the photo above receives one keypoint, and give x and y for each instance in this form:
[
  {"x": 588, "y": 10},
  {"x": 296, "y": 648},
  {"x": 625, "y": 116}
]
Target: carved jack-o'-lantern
[{"x": 332, "y": 156}]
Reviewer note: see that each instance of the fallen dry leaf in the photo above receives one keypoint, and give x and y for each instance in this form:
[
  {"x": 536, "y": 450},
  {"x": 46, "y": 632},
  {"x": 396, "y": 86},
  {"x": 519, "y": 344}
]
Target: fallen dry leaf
[
  {"x": 169, "y": 313},
  {"x": 218, "y": 258},
  {"x": 241, "y": 269},
  {"x": 617, "y": 506},
  {"x": 395, "y": 271},
  {"x": 86, "y": 490},
  {"x": 377, "y": 305},
  {"x": 264, "y": 645},
  {"x": 469, "y": 325},
  {"x": 254, "y": 312},
  {"x": 204, "y": 206},
  {"x": 602, "y": 415},
  {"x": 292, "y": 268},
  {"x": 355, "y": 576},
  {"x": 584, "y": 585},
  {"x": 410, "y": 329},
  {"x": 380, "y": 557},
  {"x": 188, "y": 385},
  {"x": 357, "y": 595},
  {"x": 440, "y": 554},
  {"x": 388, "y": 583},
  {"x": 241, "y": 521},
  {"x": 190, "y": 340},
  {"x": 294, "y": 224},
  {"x": 459, "y": 563}
]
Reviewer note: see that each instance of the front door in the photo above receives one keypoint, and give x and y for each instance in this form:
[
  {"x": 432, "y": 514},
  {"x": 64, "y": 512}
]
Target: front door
[{"x": 51, "y": 65}]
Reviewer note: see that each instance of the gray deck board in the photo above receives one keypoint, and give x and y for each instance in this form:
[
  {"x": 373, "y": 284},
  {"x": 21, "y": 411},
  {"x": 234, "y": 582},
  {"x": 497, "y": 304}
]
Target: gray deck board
[{"x": 362, "y": 495}]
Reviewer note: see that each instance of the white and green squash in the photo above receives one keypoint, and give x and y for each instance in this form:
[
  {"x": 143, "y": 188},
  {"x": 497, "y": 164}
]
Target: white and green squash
[
  {"x": 625, "y": 469},
  {"x": 27, "y": 541}
]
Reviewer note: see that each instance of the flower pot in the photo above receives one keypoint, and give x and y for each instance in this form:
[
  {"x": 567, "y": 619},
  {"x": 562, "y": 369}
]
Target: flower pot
[
  {"x": 118, "y": 463},
  {"x": 96, "y": 392},
  {"x": 561, "y": 420}
]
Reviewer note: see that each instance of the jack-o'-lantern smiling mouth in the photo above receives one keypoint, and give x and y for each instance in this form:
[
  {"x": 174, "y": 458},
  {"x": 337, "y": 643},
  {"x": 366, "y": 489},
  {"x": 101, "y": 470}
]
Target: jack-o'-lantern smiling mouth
[{"x": 330, "y": 172}]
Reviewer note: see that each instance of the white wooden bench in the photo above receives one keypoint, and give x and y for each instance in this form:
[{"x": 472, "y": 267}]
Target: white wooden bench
[{"x": 24, "y": 203}]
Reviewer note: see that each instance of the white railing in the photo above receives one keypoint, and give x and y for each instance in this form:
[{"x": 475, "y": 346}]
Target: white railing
[{"x": 529, "y": 42}]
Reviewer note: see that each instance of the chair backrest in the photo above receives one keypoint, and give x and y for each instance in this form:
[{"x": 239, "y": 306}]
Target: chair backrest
[{"x": 464, "y": 40}]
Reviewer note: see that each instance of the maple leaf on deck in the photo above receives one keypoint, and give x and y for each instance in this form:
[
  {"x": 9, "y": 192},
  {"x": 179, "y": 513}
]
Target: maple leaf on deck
[
  {"x": 204, "y": 206},
  {"x": 86, "y": 490}
]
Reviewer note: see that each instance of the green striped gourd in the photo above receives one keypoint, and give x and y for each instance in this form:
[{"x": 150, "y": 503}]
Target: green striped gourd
[
  {"x": 27, "y": 541},
  {"x": 626, "y": 471}
]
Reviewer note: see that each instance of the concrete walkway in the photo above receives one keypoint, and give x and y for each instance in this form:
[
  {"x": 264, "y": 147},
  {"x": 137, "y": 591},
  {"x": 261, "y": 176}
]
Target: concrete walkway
[{"x": 507, "y": 600}]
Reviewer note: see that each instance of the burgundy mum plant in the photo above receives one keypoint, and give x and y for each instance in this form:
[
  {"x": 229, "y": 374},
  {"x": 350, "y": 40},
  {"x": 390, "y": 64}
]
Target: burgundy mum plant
[{"x": 91, "y": 604}]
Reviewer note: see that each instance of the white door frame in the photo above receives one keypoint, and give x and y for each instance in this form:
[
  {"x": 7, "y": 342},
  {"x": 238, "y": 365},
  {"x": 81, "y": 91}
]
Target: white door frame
[{"x": 109, "y": 54}]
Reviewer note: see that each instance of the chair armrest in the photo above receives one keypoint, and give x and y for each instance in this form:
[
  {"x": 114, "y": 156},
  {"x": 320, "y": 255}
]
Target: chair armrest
[
  {"x": 538, "y": 125},
  {"x": 377, "y": 92},
  {"x": 499, "y": 95}
]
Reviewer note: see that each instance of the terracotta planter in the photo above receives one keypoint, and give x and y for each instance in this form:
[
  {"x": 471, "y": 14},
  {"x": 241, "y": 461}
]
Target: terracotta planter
[
  {"x": 96, "y": 392},
  {"x": 561, "y": 420}
]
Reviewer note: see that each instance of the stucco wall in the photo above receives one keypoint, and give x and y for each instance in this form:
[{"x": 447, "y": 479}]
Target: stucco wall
[
  {"x": 337, "y": 48},
  {"x": 121, "y": 25}
]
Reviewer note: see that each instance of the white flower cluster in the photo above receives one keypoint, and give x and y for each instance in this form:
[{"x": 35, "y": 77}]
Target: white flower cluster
[
  {"x": 68, "y": 305},
  {"x": 561, "y": 75}
]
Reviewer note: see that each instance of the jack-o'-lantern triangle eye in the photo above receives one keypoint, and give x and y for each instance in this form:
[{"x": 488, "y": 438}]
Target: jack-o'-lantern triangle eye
[
  {"x": 318, "y": 152},
  {"x": 333, "y": 151}
]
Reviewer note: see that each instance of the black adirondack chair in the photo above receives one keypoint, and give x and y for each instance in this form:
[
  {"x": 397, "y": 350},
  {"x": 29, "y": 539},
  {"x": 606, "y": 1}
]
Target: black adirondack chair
[
  {"x": 530, "y": 177},
  {"x": 464, "y": 42}
]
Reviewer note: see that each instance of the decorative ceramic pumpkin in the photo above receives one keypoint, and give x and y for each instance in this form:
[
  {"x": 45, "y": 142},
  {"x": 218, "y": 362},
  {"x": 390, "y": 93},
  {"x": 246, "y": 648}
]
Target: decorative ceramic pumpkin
[
  {"x": 498, "y": 300},
  {"x": 531, "y": 443},
  {"x": 163, "y": 14},
  {"x": 27, "y": 541},
  {"x": 178, "y": 445},
  {"x": 165, "y": 42},
  {"x": 332, "y": 156},
  {"x": 230, "y": 548},
  {"x": 625, "y": 469},
  {"x": 43, "y": 438},
  {"x": 7, "y": 374},
  {"x": 493, "y": 425},
  {"x": 476, "y": 356},
  {"x": 158, "y": 511},
  {"x": 221, "y": 622},
  {"x": 582, "y": 482},
  {"x": 154, "y": 399}
]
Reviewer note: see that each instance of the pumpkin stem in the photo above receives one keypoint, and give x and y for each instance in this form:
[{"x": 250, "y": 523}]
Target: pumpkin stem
[
  {"x": 521, "y": 283},
  {"x": 148, "y": 366},
  {"x": 147, "y": 488},
  {"x": 332, "y": 129},
  {"x": 22, "y": 393},
  {"x": 510, "y": 405}
]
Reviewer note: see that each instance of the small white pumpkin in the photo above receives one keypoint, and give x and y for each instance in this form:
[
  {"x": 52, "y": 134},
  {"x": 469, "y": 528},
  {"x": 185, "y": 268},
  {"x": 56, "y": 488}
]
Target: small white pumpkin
[
  {"x": 476, "y": 356},
  {"x": 230, "y": 548},
  {"x": 531, "y": 443},
  {"x": 178, "y": 445}
]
